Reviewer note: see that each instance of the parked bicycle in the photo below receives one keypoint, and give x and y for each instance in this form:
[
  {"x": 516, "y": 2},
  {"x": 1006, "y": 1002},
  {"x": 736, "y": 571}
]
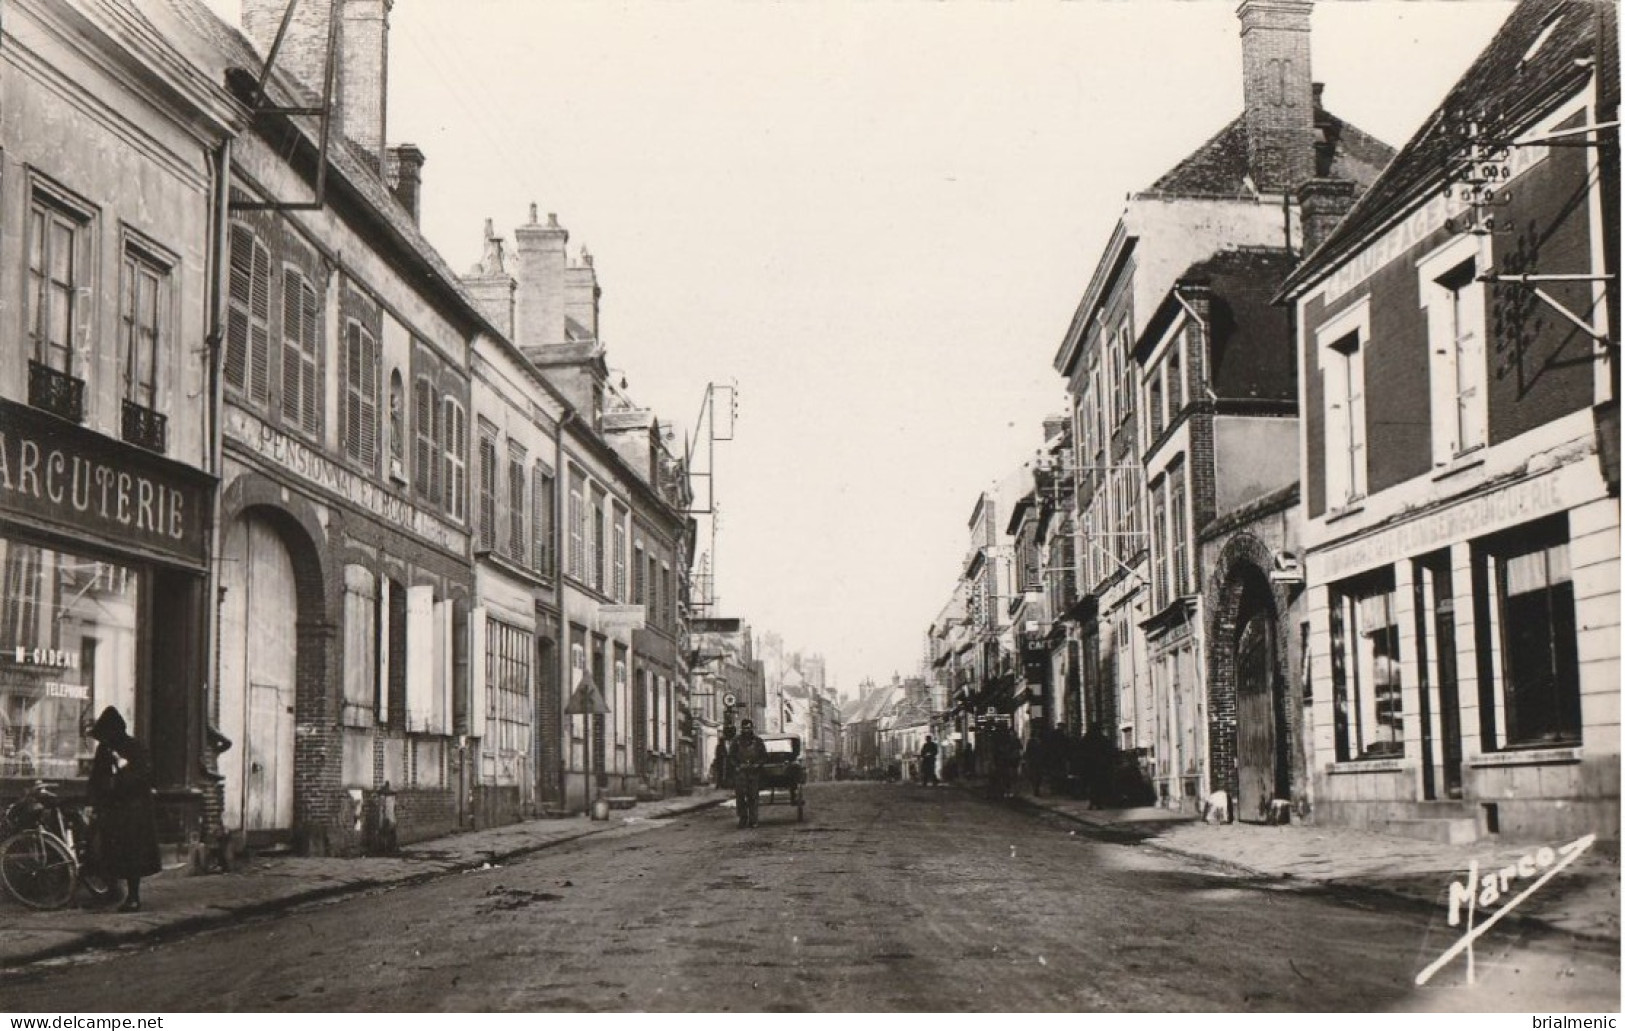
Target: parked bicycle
[{"x": 45, "y": 852}]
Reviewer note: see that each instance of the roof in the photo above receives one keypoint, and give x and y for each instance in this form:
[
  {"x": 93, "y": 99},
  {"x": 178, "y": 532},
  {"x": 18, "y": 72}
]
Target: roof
[
  {"x": 1219, "y": 167},
  {"x": 1508, "y": 80}
]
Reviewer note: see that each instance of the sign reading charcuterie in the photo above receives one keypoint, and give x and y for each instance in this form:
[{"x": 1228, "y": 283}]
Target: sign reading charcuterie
[{"x": 66, "y": 478}]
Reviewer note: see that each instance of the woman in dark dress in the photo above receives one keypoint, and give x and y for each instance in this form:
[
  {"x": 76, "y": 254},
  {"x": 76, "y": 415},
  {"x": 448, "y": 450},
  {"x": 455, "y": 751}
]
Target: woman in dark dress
[{"x": 121, "y": 791}]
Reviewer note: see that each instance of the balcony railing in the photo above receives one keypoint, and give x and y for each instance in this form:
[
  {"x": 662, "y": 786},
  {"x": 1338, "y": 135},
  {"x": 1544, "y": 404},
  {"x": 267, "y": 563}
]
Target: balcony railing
[
  {"x": 145, "y": 427},
  {"x": 56, "y": 392}
]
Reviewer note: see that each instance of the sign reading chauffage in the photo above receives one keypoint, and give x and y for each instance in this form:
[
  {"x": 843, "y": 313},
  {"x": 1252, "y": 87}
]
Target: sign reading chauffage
[{"x": 67, "y": 479}]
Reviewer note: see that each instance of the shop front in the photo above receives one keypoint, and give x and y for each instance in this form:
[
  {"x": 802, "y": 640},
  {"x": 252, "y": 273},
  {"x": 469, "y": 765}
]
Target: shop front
[{"x": 103, "y": 554}]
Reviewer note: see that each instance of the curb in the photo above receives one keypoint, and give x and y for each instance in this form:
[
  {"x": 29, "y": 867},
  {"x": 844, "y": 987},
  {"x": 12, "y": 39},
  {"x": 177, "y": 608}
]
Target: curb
[
  {"x": 1344, "y": 891},
  {"x": 105, "y": 939}
]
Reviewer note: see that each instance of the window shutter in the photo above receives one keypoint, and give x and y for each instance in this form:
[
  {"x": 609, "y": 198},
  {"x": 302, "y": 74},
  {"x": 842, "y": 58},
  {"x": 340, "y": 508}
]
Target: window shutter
[
  {"x": 477, "y": 699},
  {"x": 292, "y": 366},
  {"x": 259, "y": 328},
  {"x": 422, "y": 424},
  {"x": 369, "y": 400},
  {"x": 310, "y": 337},
  {"x": 420, "y": 657},
  {"x": 242, "y": 274}
]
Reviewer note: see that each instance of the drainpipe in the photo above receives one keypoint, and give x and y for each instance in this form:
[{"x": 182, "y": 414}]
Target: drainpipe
[
  {"x": 218, "y": 282},
  {"x": 561, "y": 486}
]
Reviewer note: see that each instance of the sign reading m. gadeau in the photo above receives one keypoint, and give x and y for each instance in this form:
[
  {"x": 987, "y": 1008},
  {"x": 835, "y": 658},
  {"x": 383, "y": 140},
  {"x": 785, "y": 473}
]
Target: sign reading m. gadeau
[
  {"x": 310, "y": 465},
  {"x": 66, "y": 479}
]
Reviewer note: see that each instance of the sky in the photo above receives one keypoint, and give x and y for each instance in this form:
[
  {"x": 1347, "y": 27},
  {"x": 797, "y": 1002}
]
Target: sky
[{"x": 874, "y": 219}]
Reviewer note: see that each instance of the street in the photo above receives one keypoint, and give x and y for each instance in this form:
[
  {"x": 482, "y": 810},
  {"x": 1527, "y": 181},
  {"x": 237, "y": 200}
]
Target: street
[{"x": 888, "y": 898}]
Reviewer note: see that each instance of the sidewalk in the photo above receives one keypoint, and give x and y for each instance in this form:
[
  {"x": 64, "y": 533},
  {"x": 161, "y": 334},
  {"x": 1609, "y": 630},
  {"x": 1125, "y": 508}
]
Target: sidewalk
[
  {"x": 1582, "y": 899},
  {"x": 178, "y": 902}
]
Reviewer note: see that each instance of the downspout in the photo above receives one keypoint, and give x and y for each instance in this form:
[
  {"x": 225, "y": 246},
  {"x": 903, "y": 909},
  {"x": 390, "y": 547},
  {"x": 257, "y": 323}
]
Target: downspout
[
  {"x": 219, "y": 264},
  {"x": 561, "y": 486}
]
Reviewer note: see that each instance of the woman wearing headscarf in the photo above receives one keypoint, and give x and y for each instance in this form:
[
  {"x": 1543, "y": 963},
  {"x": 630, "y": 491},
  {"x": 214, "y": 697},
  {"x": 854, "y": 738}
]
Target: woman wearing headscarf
[{"x": 121, "y": 791}]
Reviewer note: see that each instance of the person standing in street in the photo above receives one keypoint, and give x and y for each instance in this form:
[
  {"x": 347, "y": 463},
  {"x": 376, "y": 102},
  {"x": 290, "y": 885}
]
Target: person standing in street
[
  {"x": 120, "y": 787},
  {"x": 748, "y": 755},
  {"x": 1034, "y": 758},
  {"x": 928, "y": 762}
]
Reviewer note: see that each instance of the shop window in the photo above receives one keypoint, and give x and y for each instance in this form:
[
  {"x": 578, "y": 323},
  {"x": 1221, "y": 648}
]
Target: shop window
[
  {"x": 301, "y": 333},
  {"x": 144, "y": 306},
  {"x": 507, "y": 741},
  {"x": 248, "y": 316},
  {"x": 67, "y": 650},
  {"x": 1529, "y": 631},
  {"x": 1366, "y": 682}
]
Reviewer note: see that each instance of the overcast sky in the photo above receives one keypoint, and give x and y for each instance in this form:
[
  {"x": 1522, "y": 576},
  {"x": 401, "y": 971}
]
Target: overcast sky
[{"x": 876, "y": 218}]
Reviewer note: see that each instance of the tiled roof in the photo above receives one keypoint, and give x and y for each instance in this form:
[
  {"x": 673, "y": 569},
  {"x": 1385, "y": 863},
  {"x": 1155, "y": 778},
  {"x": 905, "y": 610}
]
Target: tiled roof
[
  {"x": 1218, "y": 168},
  {"x": 1507, "y": 79}
]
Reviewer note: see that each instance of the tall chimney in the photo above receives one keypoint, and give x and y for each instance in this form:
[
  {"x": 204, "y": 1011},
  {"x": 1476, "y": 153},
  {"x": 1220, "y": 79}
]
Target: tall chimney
[
  {"x": 1277, "y": 93},
  {"x": 539, "y": 313},
  {"x": 405, "y": 175},
  {"x": 361, "y": 81},
  {"x": 581, "y": 293}
]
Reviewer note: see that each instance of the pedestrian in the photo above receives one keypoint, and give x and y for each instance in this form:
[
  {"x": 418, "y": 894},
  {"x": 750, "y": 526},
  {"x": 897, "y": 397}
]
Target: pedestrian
[
  {"x": 126, "y": 828},
  {"x": 747, "y": 754},
  {"x": 1094, "y": 755},
  {"x": 1033, "y": 759},
  {"x": 928, "y": 763}
]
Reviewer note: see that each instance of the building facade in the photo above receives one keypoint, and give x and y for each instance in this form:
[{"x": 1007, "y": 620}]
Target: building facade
[{"x": 1458, "y": 355}]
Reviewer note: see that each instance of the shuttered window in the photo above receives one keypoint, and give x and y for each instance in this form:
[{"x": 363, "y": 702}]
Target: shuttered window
[
  {"x": 301, "y": 390},
  {"x": 248, "y": 316},
  {"x": 488, "y": 493},
  {"x": 518, "y": 546},
  {"x": 541, "y": 522},
  {"x": 360, "y": 395},
  {"x": 454, "y": 442},
  {"x": 425, "y": 451}
]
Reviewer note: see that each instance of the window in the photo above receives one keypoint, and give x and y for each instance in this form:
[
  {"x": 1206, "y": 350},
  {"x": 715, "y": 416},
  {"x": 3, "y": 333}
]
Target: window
[
  {"x": 618, "y": 567},
  {"x": 59, "y": 277},
  {"x": 426, "y": 456},
  {"x": 578, "y": 525},
  {"x": 541, "y": 520},
  {"x": 1366, "y": 688},
  {"x": 1153, "y": 405},
  {"x": 595, "y": 541},
  {"x": 505, "y": 749},
  {"x": 638, "y": 579},
  {"x": 488, "y": 490},
  {"x": 1160, "y": 547},
  {"x": 360, "y": 395},
  {"x": 668, "y": 599},
  {"x": 1529, "y": 630},
  {"x": 518, "y": 547},
  {"x": 1455, "y": 303},
  {"x": 1179, "y": 528},
  {"x": 1125, "y": 371},
  {"x": 301, "y": 329},
  {"x": 248, "y": 316},
  {"x": 360, "y": 647},
  {"x": 453, "y": 441},
  {"x": 1342, "y": 362},
  {"x": 1176, "y": 372},
  {"x": 397, "y": 424},
  {"x": 143, "y": 323}
]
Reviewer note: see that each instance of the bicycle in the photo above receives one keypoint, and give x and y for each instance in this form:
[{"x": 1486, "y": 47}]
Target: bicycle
[{"x": 45, "y": 855}]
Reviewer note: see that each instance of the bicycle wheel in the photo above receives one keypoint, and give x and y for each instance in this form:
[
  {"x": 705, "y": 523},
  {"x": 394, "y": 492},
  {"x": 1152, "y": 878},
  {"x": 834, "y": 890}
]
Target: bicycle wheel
[{"x": 38, "y": 869}]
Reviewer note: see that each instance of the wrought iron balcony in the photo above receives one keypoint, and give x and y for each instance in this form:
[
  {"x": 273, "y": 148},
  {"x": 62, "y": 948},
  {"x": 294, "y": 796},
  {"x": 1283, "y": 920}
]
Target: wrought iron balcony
[
  {"x": 56, "y": 392},
  {"x": 145, "y": 427}
]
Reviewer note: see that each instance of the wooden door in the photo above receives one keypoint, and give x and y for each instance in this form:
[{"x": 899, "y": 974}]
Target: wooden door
[{"x": 1260, "y": 737}]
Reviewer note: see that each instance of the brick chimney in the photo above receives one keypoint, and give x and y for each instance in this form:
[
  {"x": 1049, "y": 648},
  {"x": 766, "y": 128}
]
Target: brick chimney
[
  {"x": 1277, "y": 94},
  {"x": 491, "y": 285},
  {"x": 361, "y": 82},
  {"x": 581, "y": 293},
  {"x": 1322, "y": 203},
  {"x": 539, "y": 314},
  {"x": 405, "y": 175}
]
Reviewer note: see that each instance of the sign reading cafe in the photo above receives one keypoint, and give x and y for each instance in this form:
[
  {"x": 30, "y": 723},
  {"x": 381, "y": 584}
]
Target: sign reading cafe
[{"x": 63, "y": 478}]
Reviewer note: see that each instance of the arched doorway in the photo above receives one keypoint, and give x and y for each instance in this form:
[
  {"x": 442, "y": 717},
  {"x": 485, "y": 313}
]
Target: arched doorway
[
  {"x": 1263, "y": 753},
  {"x": 258, "y": 663}
]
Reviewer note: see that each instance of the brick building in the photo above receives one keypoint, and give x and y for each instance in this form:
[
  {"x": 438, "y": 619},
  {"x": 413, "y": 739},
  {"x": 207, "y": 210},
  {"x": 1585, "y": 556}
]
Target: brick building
[
  {"x": 1460, "y": 456},
  {"x": 1236, "y": 190}
]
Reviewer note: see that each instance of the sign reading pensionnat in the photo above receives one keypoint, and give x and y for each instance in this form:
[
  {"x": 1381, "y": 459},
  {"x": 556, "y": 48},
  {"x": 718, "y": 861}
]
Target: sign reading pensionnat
[{"x": 63, "y": 478}]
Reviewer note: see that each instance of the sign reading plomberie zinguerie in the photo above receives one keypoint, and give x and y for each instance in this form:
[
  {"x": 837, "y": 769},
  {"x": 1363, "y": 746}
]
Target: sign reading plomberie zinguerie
[{"x": 64, "y": 478}]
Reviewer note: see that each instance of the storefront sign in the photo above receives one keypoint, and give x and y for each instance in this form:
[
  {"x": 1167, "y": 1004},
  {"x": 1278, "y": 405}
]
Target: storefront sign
[
  {"x": 1509, "y": 506},
  {"x": 315, "y": 468},
  {"x": 68, "y": 479}
]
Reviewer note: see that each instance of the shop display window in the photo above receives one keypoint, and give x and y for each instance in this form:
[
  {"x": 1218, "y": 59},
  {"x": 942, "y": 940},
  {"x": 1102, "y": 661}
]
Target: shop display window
[
  {"x": 67, "y": 650},
  {"x": 1366, "y": 682}
]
